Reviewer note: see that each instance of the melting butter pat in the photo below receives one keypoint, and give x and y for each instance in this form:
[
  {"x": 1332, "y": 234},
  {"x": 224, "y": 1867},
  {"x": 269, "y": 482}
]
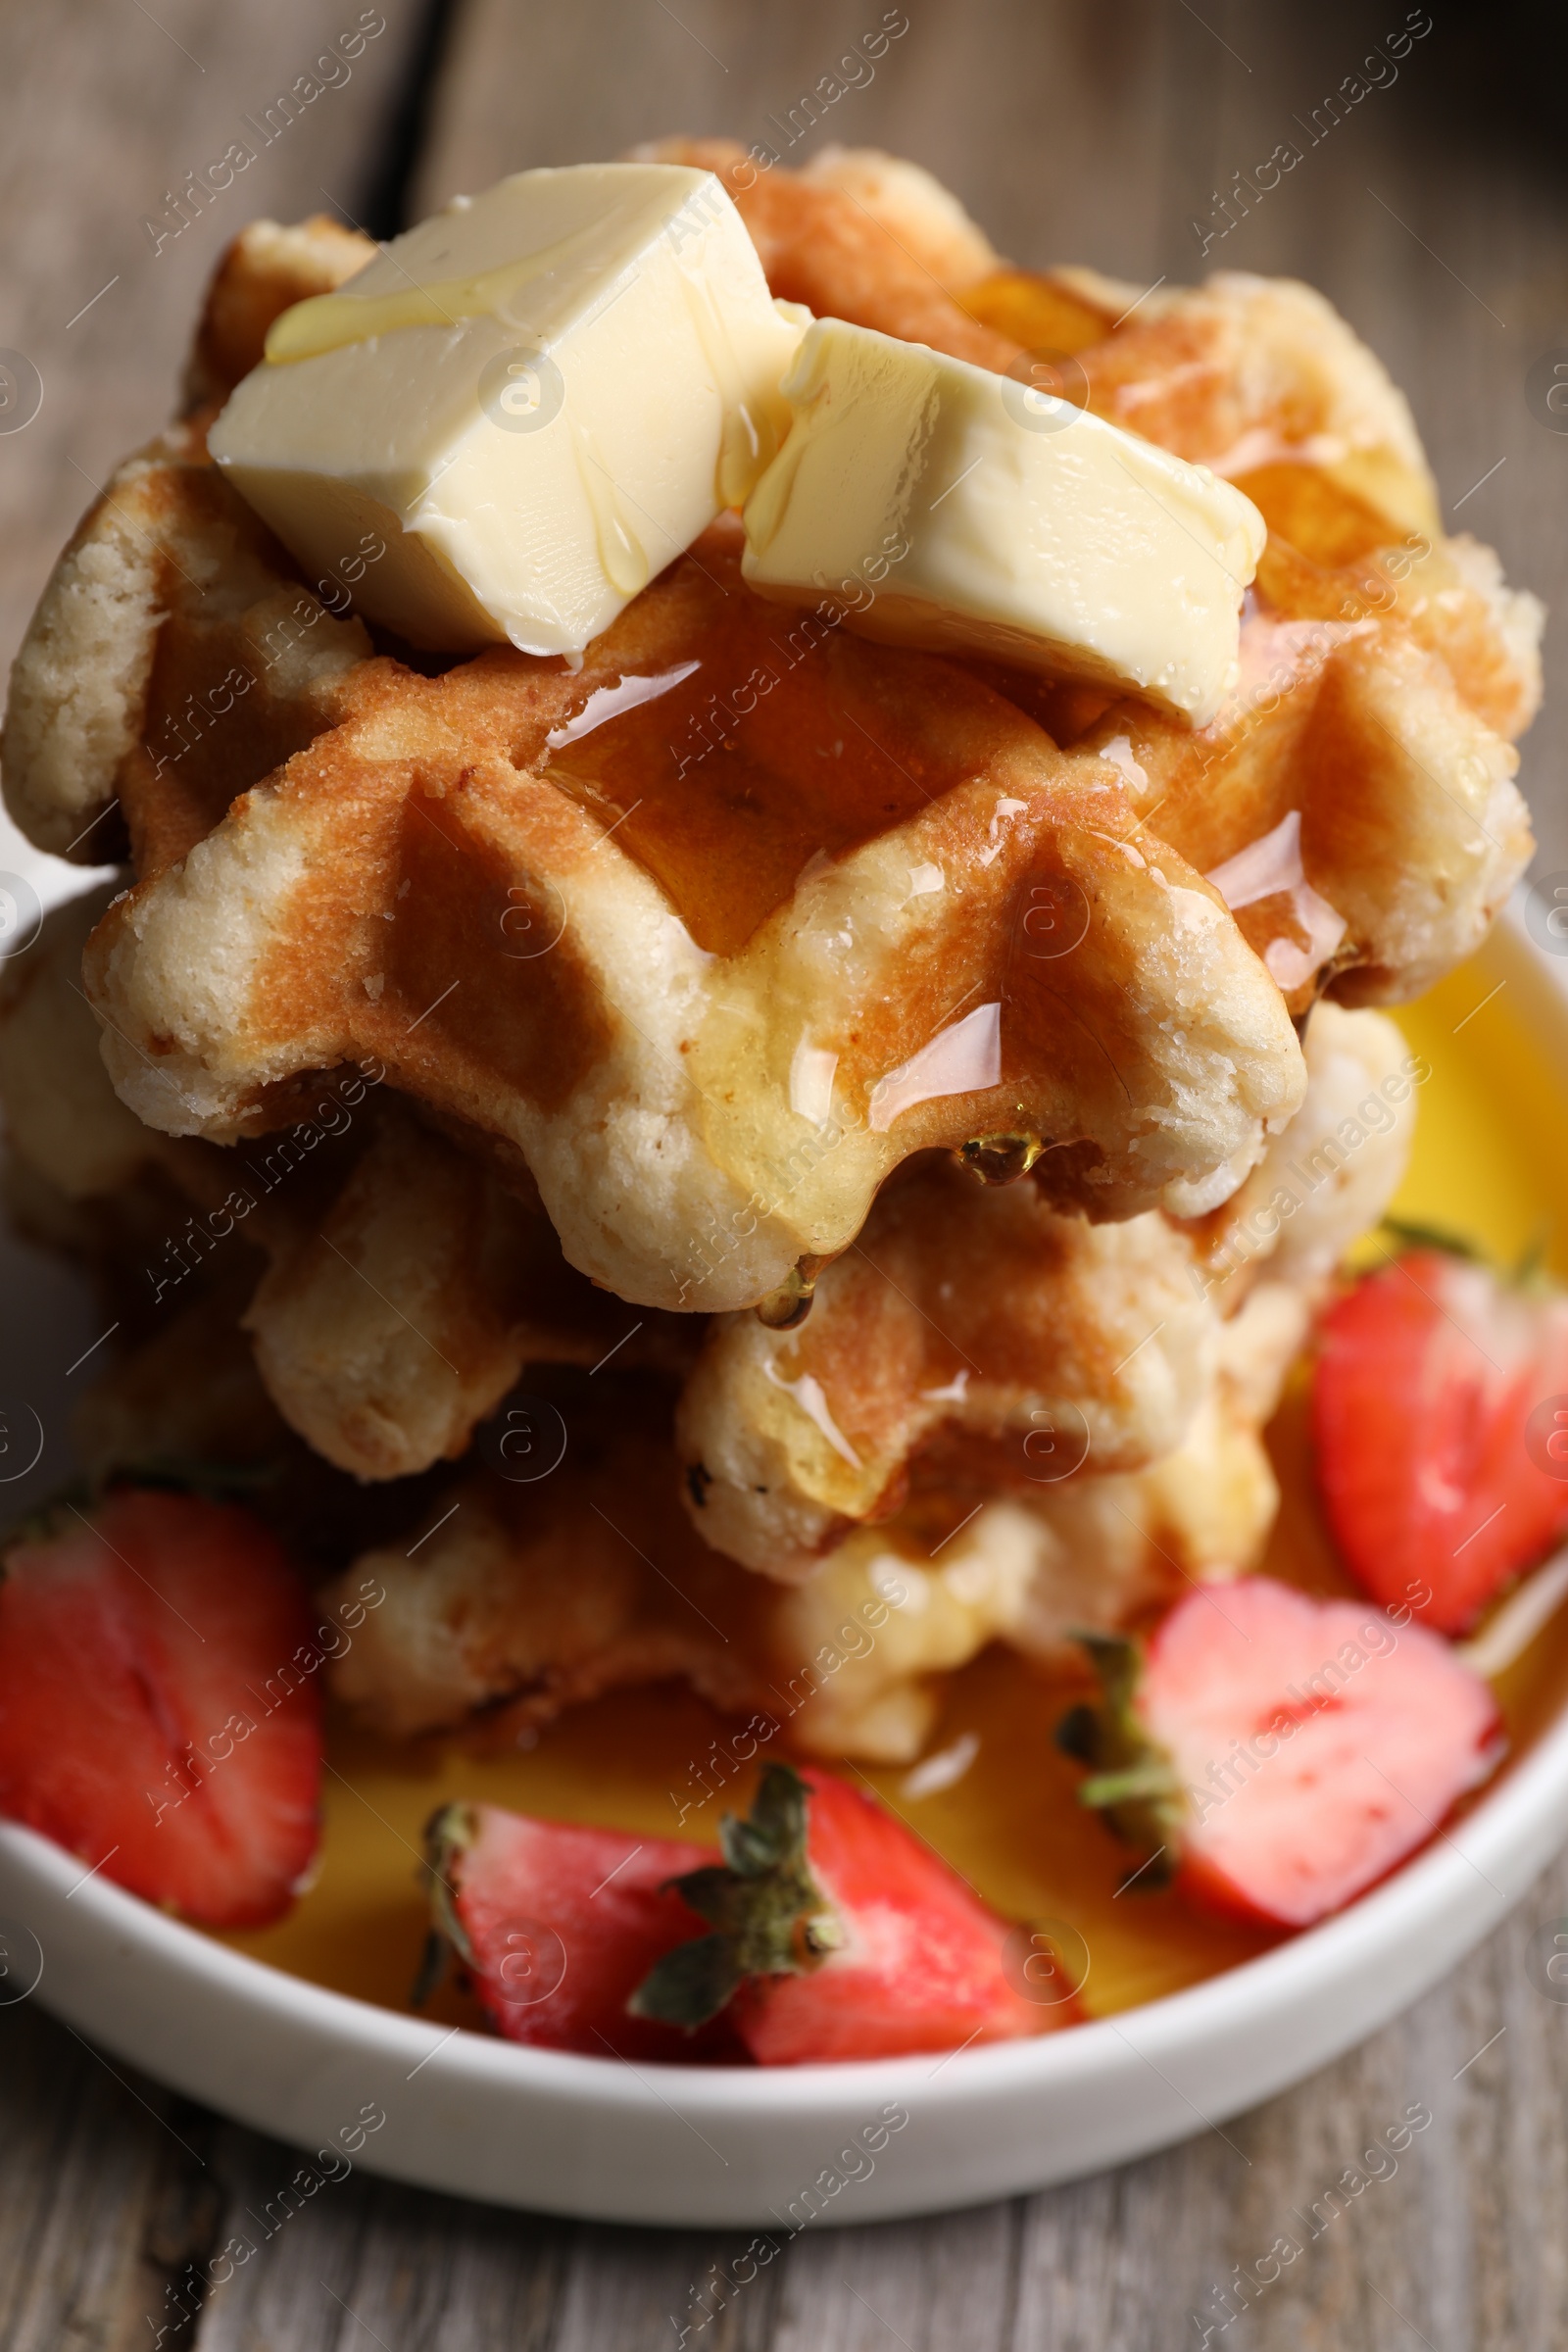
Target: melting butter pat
[
  {"x": 1020, "y": 528},
  {"x": 537, "y": 398}
]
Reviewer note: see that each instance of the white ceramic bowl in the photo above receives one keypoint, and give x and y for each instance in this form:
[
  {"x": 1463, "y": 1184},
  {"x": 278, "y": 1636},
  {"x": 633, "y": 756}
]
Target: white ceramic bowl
[{"x": 773, "y": 2148}]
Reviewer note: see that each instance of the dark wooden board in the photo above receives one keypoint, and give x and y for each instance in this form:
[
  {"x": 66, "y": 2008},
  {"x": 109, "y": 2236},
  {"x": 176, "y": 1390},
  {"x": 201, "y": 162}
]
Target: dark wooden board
[{"x": 1072, "y": 130}]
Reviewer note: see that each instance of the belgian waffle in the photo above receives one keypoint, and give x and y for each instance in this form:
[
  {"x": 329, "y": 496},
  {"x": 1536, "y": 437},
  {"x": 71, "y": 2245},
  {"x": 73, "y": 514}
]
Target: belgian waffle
[
  {"x": 1157, "y": 1348},
  {"x": 989, "y": 1340},
  {"x": 1367, "y": 725},
  {"x": 529, "y": 1599},
  {"x": 397, "y": 1286},
  {"x": 405, "y": 1288},
  {"x": 382, "y": 1315},
  {"x": 385, "y": 895},
  {"x": 663, "y": 995}
]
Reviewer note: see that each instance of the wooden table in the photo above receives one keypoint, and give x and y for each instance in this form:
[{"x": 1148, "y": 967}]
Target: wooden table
[{"x": 1099, "y": 132}]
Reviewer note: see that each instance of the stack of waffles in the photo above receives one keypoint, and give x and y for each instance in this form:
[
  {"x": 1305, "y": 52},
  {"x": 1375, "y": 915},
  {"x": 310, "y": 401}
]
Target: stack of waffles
[{"x": 673, "y": 1173}]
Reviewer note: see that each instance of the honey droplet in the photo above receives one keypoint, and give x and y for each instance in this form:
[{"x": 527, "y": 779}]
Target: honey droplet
[
  {"x": 787, "y": 1307},
  {"x": 1000, "y": 1158}
]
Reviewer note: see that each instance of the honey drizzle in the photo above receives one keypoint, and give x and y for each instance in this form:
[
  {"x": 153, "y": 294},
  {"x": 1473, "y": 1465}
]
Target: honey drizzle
[{"x": 774, "y": 750}]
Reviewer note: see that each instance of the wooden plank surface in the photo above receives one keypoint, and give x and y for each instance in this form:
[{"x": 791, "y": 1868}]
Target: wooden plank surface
[
  {"x": 1072, "y": 130},
  {"x": 106, "y": 108}
]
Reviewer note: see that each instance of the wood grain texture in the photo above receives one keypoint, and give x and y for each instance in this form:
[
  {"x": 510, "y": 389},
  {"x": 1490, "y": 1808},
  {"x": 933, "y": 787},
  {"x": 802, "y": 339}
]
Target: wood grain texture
[
  {"x": 109, "y": 2187},
  {"x": 1077, "y": 132},
  {"x": 1072, "y": 130},
  {"x": 103, "y": 112}
]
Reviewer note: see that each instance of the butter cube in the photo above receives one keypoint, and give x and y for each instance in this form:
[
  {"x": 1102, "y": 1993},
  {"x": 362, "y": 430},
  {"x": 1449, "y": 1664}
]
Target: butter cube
[
  {"x": 538, "y": 399},
  {"x": 973, "y": 514}
]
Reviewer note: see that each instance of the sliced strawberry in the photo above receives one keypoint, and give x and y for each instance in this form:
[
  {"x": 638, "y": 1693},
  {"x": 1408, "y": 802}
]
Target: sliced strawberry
[
  {"x": 840, "y": 1936},
  {"x": 832, "y": 1932},
  {"x": 1442, "y": 1458},
  {"x": 558, "y": 1924},
  {"x": 1281, "y": 1754},
  {"x": 157, "y": 1715}
]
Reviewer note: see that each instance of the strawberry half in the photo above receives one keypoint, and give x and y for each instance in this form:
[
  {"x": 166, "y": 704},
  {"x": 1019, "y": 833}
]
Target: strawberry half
[
  {"x": 557, "y": 1924},
  {"x": 1279, "y": 1754},
  {"x": 837, "y": 1934},
  {"x": 154, "y": 1715},
  {"x": 1433, "y": 1378},
  {"x": 831, "y": 1932}
]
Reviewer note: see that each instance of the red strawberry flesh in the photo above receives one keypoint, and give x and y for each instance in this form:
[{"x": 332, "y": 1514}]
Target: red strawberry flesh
[
  {"x": 154, "y": 1717},
  {"x": 1317, "y": 1742},
  {"x": 562, "y": 1923},
  {"x": 922, "y": 1965},
  {"x": 1428, "y": 1375}
]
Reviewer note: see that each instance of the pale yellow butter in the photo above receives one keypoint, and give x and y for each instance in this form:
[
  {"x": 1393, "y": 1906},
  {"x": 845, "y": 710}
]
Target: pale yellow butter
[
  {"x": 537, "y": 398},
  {"x": 1020, "y": 526}
]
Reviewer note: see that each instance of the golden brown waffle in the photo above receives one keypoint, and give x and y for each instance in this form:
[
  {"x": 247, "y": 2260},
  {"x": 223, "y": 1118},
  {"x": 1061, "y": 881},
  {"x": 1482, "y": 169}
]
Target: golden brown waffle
[
  {"x": 505, "y": 1604},
  {"x": 1257, "y": 377},
  {"x": 103, "y": 684},
  {"x": 183, "y": 1400},
  {"x": 533, "y": 1596},
  {"x": 1426, "y": 666},
  {"x": 611, "y": 969},
  {"x": 266, "y": 270},
  {"x": 401, "y": 1288},
  {"x": 972, "y": 1336},
  {"x": 533, "y": 1599},
  {"x": 168, "y": 595},
  {"x": 989, "y": 1341},
  {"x": 648, "y": 1086},
  {"x": 982, "y": 1319},
  {"x": 339, "y": 858},
  {"x": 1206, "y": 790},
  {"x": 850, "y": 244},
  {"x": 1369, "y": 724}
]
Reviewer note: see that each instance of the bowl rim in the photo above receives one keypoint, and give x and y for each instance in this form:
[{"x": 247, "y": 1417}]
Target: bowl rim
[
  {"x": 1500, "y": 1823},
  {"x": 1509, "y": 1828}
]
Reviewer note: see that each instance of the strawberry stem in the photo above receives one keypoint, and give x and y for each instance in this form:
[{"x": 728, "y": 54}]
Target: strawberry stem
[
  {"x": 1150, "y": 1779},
  {"x": 1529, "y": 1275},
  {"x": 1132, "y": 1781},
  {"x": 769, "y": 1914},
  {"x": 1411, "y": 1234},
  {"x": 450, "y": 1831},
  {"x": 173, "y": 1474}
]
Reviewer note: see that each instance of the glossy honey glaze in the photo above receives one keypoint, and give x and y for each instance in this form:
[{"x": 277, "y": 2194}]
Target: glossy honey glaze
[
  {"x": 766, "y": 739},
  {"x": 1493, "y": 1136}
]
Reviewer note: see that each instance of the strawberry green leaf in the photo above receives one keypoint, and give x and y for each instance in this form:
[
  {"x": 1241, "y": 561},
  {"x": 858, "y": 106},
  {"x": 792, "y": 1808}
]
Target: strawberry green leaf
[
  {"x": 691, "y": 1983},
  {"x": 1131, "y": 1779},
  {"x": 212, "y": 1482},
  {"x": 1529, "y": 1275},
  {"x": 769, "y": 1916},
  {"x": 450, "y": 1831},
  {"x": 1411, "y": 1234}
]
